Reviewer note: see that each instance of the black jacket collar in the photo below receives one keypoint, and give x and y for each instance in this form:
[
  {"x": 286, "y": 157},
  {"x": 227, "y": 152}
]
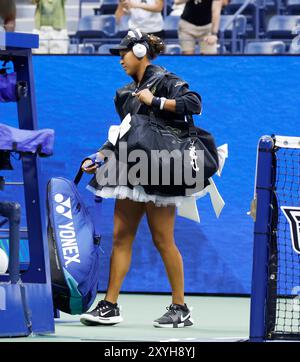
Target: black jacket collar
[{"x": 150, "y": 71}]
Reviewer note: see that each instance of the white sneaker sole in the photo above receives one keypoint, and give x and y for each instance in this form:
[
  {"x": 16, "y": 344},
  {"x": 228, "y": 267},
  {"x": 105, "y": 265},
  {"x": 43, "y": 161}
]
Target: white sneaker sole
[
  {"x": 89, "y": 320},
  {"x": 180, "y": 325}
]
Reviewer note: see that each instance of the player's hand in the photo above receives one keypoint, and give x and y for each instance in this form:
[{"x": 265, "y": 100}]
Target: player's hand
[
  {"x": 144, "y": 96},
  {"x": 211, "y": 39},
  {"x": 89, "y": 167}
]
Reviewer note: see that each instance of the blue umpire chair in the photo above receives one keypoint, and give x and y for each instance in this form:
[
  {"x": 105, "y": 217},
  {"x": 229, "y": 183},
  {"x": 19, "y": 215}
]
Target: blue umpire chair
[{"x": 26, "y": 305}]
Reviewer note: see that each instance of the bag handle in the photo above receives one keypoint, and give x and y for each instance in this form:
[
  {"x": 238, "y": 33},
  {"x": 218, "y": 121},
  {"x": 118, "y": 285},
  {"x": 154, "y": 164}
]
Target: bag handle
[
  {"x": 192, "y": 129},
  {"x": 79, "y": 174},
  {"x": 97, "y": 205}
]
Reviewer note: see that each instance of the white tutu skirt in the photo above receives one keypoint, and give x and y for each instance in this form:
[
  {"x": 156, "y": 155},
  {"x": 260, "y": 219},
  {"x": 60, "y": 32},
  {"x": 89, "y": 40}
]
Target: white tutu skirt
[{"x": 137, "y": 194}]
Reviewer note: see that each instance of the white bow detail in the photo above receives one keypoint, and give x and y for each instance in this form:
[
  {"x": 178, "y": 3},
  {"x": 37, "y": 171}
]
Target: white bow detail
[{"x": 188, "y": 208}]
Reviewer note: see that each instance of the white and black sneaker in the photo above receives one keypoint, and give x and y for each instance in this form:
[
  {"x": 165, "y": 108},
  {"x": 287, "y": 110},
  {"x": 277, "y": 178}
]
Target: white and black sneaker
[
  {"x": 105, "y": 313},
  {"x": 177, "y": 316}
]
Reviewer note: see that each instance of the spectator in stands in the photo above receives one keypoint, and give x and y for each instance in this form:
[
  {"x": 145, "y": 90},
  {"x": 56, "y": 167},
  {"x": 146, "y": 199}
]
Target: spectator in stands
[
  {"x": 143, "y": 14},
  {"x": 8, "y": 14},
  {"x": 50, "y": 24},
  {"x": 200, "y": 22}
]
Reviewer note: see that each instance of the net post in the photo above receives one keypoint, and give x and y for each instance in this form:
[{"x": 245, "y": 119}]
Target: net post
[{"x": 263, "y": 194}]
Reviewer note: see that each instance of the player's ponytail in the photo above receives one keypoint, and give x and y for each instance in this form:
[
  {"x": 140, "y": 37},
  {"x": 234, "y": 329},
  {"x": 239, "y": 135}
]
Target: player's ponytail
[{"x": 156, "y": 45}]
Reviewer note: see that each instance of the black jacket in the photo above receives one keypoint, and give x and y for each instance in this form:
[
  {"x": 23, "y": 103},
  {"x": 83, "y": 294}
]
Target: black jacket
[{"x": 169, "y": 86}]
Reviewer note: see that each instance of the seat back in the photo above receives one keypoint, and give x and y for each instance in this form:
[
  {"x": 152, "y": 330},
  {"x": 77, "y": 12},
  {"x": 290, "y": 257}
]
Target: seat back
[
  {"x": 171, "y": 26},
  {"x": 96, "y": 23},
  {"x": 104, "y": 49},
  {"x": 122, "y": 27},
  {"x": 240, "y": 24},
  {"x": 271, "y": 47},
  {"x": 172, "y": 49},
  {"x": 282, "y": 26}
]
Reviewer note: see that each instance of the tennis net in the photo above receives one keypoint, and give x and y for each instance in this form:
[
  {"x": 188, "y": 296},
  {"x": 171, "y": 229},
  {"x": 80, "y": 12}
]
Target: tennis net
[{"x": 275, "y": 304}]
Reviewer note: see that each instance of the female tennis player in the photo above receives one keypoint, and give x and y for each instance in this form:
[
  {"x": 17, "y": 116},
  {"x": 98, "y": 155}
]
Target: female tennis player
[{"x": 172, "y": 100}]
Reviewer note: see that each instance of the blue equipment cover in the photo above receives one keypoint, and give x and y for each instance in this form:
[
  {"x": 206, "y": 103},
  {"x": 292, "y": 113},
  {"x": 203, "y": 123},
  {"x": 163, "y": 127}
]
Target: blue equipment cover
[
  {"x": 73, "y": 247},
  {"x": 8, "y": 87},
  {"x": 21, "y": 140}
]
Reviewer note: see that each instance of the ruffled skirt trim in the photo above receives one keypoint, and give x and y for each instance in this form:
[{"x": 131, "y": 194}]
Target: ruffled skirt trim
[{"x": 137, "y": 193}]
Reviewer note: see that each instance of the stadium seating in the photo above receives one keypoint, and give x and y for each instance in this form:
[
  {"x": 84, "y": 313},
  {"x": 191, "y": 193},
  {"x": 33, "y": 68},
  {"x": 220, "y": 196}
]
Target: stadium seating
[
  {"x": 239, "y": 25},
  {"x": 234, "y": 5},
  {"x": 294, "y": 48},
  {"x": 103, "y": 29},
  {"x": 249, "y": 12},
  {"x": 96, "y": 27},
  {"x": 86, "y": 48},
  {"x": 168, "y": 7},
  {"x": 232, "y": 36},
  {"x": 122, "y": 27},
  {"x": 25, "y": 11},
  {"x": 81, "y": 3},
  {"x": 171, "y": 26},
  {"x": 282, "y": 26},
  {"x": 25, "y": 25},
  {"x": 107, "y": 7},
  {"x": 265, "y": 47},
  {"x": 293, "y": 7},
  {"x": 104, "y": 49},
  {"x": 172, "y": 49},
  {"x": 25, "y": 14}
]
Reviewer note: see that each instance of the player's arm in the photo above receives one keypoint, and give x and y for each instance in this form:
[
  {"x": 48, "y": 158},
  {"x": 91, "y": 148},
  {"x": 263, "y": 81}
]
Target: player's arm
[{"x": 186, "y": 102}]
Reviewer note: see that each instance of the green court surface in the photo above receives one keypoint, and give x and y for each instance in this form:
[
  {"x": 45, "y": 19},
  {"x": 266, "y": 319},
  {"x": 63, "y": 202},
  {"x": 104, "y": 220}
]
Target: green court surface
[{"x": 215, "y": 319}]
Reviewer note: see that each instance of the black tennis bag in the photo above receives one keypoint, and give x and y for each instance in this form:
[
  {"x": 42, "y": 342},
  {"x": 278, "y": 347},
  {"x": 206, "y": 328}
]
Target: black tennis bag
[{"x": 148, "y": 133}]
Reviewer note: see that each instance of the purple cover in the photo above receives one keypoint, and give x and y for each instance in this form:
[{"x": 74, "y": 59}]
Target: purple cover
[
  {"x": 8, "y": 89},
  {"x": 15, "y": 139}
]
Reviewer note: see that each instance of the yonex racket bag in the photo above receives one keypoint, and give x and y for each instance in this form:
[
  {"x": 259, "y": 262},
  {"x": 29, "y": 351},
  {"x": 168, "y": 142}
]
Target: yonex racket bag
[{"x": 73, "y": 247}]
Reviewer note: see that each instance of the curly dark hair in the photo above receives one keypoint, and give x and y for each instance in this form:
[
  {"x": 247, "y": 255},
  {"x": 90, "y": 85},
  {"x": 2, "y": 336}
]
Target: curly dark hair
[{"x": 156, "y": 45}]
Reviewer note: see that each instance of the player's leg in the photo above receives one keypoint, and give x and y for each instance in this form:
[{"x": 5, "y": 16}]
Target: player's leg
[
  {"x": 178, "y": 314},
  {"x": 127, "y": 216}
]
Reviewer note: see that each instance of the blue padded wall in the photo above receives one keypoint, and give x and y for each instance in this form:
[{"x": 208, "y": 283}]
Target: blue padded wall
[{"x": 243, "y": 99}]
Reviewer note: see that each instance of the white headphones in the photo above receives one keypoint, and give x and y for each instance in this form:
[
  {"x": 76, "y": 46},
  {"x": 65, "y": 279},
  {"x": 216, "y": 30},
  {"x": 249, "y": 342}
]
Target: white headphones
[{"x": 140, "y": 47}]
